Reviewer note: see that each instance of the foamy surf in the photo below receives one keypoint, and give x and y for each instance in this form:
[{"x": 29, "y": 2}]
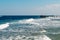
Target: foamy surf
[
  {"x": 41, "y": 37},
  {"x": 27, "y": 20},
  {"x": 43, "y": 22},
  {"x": 3, "y": 26},
  {"x": 44, "y": 37},
  {"x": 30, "y": 20},
  {"x": 32, "y": 29},
  {"x": 43, "y": 31}
]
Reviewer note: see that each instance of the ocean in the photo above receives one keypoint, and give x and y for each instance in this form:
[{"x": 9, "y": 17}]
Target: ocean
[{"x": 38, "y": 27}]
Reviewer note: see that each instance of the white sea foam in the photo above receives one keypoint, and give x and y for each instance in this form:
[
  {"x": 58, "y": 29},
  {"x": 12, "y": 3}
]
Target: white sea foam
[
  {"x": 43, "y": 31},
  {"x": 36, "y": 23},
  {"x": 43, "y": 22},
  {"x": 26, "y": 20},
  {"x": 41, "y": 37},
  {"x": 3, "y": 26},
  {"x": 30, "y": 20},
  {"x": 39, "y": 23},
  {"x": 44, "y": 37}
]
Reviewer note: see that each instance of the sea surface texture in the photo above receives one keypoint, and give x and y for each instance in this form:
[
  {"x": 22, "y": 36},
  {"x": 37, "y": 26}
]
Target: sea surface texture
[{"x": 29, "y": 27}]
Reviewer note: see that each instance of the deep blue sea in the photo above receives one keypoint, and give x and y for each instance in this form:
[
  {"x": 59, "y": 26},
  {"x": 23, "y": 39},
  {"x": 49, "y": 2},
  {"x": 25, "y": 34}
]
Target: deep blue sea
[{"x": 30, "y": 27}]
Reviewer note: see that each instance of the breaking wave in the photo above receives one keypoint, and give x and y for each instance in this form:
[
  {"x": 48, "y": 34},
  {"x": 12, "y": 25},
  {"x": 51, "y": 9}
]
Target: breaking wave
[
  {"x": 32, "y": 29},
  {"x": 3, "y": 26},
  {"x": 37, "y": 24},
  {"x": 42, "y": 37}
]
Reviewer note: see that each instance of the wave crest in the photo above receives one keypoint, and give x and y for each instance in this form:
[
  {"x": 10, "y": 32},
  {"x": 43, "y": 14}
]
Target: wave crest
[{"x": 3, "y": 26}]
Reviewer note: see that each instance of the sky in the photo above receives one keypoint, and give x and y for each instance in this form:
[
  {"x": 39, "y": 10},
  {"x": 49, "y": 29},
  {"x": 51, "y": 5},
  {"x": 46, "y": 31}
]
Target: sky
[{"x": 29, "y": 7}]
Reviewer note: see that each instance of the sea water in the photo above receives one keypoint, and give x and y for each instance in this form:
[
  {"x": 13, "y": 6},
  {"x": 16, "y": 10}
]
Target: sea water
[{"x": 29, "y": 28}]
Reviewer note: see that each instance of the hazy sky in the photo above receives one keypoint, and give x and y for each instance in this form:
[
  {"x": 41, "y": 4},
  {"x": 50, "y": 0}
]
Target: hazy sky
[{"x": 29, "y": 7}]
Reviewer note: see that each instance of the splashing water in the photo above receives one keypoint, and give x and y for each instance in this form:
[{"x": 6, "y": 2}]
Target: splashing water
[
  {"x": 3, "y": 26},
  {"x": 30, "y": 29}
]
